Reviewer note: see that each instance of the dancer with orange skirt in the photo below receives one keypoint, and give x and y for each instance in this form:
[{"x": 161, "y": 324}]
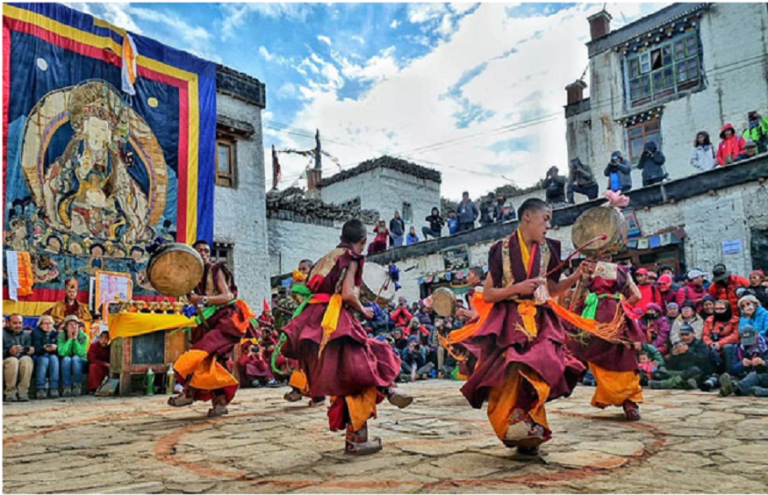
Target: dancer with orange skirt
[
  {"x": 202, "y": 370},
  {"x": 518, "y": 354},
  {"x": 333, "y": 349}
]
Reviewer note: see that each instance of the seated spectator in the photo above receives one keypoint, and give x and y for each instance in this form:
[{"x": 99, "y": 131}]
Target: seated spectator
[
  {"x": 652, "y": 164},
  {"x": 703, "y": 154},
  {"x": 650, "y": 293},
  {"x": 720, "y": 329},
  {"x": 693, "y": 290},
  {"x": 379, "y": 243},
  {"x": 98, "y": 361},
  {"x": 415, "y": 307},
  {"x": 73, "y": 354},
  {"x": 753, "y": 315},
  {"x": 44, "y": 340},
  {"x": 411, "y": 238},
  {"x": 750, "y": 151},
  {"x": 254, "y": 366},
  {"x": 670, "y": 272},
  {"x": 667, "y": 290},
  {"x": 402, "y": 315},
  {"x": 724, "y": 285},
  {"x": 396, "y": 230},
  {"x": 267, "y": 345},
  {"x": 581, "y": 180},
  {"x": 17, "y": 360},
  {"x": 436, "y": 223},
  {"x": 757, "y": 131},
  {"x": 688, "y": 364},
  {"x": 380, "y": 322},
  {"x": 506, "y": 212},
  {"x": 688, "y": 316},
  {"x": 673, "y": 311},
  {"x": 414, "y": 364},
  {"x": 707, "y": 307},
  {"x": 399, "y": 341},
  {"x": 731, "y": 146},
  {"x": 749, "y": 375},
  {"x": 656, "y": 327},
  {"x": 619, "y": 173},
  {"x": 757, "y": 287},
  {"x": 650, "y": 363},
  {"x": 554, "y": 184},
  {"x": 453, "y": 223},
  {"x": 652, "y": 278},
  {"x": 415, "y": 328},
  {"x": 426, "y": 316}
]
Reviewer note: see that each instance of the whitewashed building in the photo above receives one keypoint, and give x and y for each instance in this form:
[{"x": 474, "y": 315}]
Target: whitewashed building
[{"x": 686, "y": 68}]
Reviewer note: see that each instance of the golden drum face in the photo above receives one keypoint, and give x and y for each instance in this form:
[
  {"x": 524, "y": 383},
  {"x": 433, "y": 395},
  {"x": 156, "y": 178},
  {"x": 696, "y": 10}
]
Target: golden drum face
[{"x": 602, "y": 220}]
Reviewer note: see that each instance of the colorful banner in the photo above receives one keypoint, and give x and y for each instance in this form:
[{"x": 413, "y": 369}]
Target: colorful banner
[{"x": 92, "y": 173}]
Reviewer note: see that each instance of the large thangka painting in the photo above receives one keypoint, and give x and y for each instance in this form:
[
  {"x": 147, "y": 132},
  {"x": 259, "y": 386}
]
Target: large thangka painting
[{"x": 93, "y": 173}]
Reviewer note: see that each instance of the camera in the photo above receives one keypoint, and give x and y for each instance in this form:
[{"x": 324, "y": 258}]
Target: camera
[{"x": 715, "y": 337}]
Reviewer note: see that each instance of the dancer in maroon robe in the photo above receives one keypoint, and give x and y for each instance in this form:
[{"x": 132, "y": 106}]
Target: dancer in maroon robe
[
  {"x": 333, "y": 349},
  {"x": 519, "y": 352}
]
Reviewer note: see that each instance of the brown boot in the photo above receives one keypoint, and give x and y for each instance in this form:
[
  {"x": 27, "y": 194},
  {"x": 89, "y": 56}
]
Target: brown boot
[
  {"x": 631, "y": 410},
  {"x": 357, "y": 442},
  {"x": 293, "y": 396},
  {"x": 397, "y": 397}
]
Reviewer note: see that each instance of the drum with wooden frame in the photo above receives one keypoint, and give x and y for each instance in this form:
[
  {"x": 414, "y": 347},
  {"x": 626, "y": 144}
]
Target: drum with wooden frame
[
  {"x": 175, "y": 269},
  {"x": 377, "y": 286},
  {"x": 596, "y": 222},
  {"x": 444, "y": 302}
]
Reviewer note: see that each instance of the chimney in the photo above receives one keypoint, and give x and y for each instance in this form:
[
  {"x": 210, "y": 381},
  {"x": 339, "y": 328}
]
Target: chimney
[
  {"x": 599, "y": 24},
  {"x": 576, "y": 92},
  {"x": 314, "y": 176}
]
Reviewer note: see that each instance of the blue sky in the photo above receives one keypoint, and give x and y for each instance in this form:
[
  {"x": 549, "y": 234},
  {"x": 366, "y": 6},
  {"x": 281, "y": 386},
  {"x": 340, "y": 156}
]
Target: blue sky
[{"x": 473, "y": 90}]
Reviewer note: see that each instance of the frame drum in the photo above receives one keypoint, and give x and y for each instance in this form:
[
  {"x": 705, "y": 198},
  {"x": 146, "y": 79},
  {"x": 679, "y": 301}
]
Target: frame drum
[
  {"x": 444, "y": 302},
  {"x": 598, "y": 221},
  {"x": 377, "y": 286},
  {"x": 175, "y": 269}
]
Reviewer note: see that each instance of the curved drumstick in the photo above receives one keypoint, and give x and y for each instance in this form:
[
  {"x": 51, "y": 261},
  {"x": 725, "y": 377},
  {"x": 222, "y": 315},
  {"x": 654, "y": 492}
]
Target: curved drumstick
[{"x": 601, "y": 237}]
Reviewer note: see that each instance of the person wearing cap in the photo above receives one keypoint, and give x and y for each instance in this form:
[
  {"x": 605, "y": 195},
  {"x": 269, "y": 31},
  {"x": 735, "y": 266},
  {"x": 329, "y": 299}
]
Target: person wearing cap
[
  {"x": 73, "y": 354},
  {"x": 619, "y": 173},
  {"x": 707, "y": 307},
  {"x": 754, "y": 315},
  {"x": 688, "y": 364},
  {"x": 757, "y": 131},
  {"x": 656, "y": 328},
  {"x": 650, "y": 293},
  {"x": 672, "y": 312},
  {"x": 757, "y": 287},
  {"x": 731, "y": 145},
  {"x": 667, "y": 290},
  {"x": 98, "y": 361},
  {"x": 693, "y": 289},
  {"x": 724, "y": 285},
  {"x": 749, "y": 374},
  {"x": 688, "y": 316},
  {"x": 750, "y": 151}
]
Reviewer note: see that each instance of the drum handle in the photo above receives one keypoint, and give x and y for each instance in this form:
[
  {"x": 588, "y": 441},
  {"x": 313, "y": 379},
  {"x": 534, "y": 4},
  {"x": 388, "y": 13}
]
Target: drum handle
[
  {"x": 559, "y": 267},
  {"x": 386, "y": 282}
]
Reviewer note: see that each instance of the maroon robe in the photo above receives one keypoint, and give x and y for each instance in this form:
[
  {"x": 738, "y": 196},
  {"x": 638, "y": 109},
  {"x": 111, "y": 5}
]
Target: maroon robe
[
  {"x": 350, "y": 362},
  {"x": 499, "y": 344},
  {"x": 98, "y": 365}
]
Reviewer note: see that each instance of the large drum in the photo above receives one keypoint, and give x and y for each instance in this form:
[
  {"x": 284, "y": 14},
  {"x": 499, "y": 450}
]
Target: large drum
[
  {"x": 596, "y": 222},
  {"x": 377, "y": 286},
  {"x": 175, "y": 269},
  {"x": 444, "y": 302}
]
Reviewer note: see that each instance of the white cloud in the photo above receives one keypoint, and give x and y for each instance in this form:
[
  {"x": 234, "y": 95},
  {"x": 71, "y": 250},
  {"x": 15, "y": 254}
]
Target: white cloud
[
  {"x": 325, "y": 39},
  {"x": 460, "y": 8},
  {"x": 287, "y": 90},
  {"x": 422, "y": 12},
  {"x": 236, "y": 14},
  {"x": 446, "y": 26},
  {"x": 359, "y": 39},
  {"x": 265, "y": 53},
  {"x": 394, "y": 24}
]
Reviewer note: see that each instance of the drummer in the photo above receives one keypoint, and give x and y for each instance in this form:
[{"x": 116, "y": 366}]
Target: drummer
[
  {"x": 333, "y": 349},
  {"x": 202, "y": 370},
  {"x": 519, "y": 348}
]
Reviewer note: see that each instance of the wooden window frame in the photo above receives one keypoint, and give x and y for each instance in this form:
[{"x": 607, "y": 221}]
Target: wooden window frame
[
  {"x": 643, "y": 126},
  {"x": 225, "y": 248},
  {"x": 226, "y": 179}
]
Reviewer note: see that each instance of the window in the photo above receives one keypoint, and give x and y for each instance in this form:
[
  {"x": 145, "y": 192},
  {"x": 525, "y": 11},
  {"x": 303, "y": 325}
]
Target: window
[
  {"x": 222, "y": 252},
  {"x": 352, "y": 204},
  {"x": 640, "y": 134},
  {"x": 225, "y": 163},
  {"x": 664, "y": 70},
  {"x": 407, "y": 213}
]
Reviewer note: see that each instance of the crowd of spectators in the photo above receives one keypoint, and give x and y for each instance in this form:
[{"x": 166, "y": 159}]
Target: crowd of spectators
[{"x": 56, "y": 358}]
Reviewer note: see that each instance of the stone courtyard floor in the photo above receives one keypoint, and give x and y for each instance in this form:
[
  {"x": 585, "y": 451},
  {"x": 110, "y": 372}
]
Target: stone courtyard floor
[{"x": 686, "y": 442}]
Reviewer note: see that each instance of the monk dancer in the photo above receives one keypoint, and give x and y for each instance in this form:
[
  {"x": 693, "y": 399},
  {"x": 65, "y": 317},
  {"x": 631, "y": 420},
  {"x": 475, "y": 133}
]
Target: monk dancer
[
  {"x": 333, "y": 349},
  {"x": 614, "y": 364},
  {"x": 518, "y": 346},
  {"x": 201, "y": 370}
]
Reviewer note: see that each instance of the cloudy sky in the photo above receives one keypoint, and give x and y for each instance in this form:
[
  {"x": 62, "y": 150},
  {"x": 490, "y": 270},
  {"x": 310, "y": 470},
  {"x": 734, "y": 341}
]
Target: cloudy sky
[{"x": 475, "y": 91}]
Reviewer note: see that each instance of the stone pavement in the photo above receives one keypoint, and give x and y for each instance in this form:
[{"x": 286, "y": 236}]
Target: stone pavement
[{"x": 686, "y": 442}]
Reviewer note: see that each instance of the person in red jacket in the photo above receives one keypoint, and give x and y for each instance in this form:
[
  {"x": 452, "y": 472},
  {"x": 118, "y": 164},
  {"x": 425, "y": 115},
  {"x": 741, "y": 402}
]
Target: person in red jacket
[
  {"x": 731, "y": 145},
  {"x": 649, "y": 291},
  {"x": 724, "y": 285},
  {"x": 401, "y": 317},
  {"x": 720, "y": 329},
  {"x": 98, "y": 361},
  {"x": 693, "y": 289},
  {"x": 668, "y": 292}
]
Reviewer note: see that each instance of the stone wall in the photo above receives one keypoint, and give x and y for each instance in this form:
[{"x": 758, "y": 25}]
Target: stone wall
[
  {"x": 384, "y": 189},
  {"x": 240, "y": 212},
  {"x": 720, "y": 205},
  {"x": 734, "y": 44}
]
